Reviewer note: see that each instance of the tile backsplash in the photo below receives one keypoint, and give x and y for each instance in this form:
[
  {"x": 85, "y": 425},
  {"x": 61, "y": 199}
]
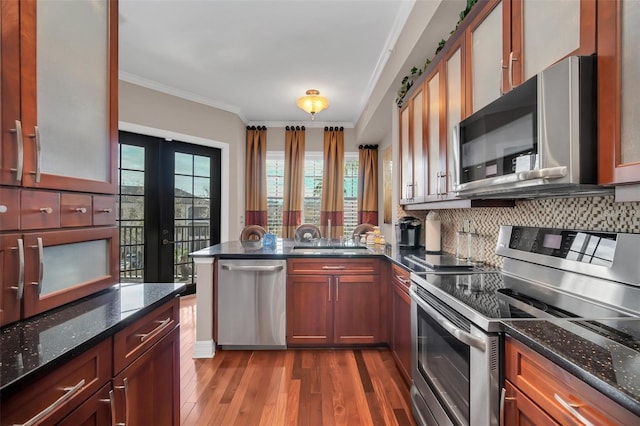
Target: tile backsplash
[{"x": 586, "y": 213}]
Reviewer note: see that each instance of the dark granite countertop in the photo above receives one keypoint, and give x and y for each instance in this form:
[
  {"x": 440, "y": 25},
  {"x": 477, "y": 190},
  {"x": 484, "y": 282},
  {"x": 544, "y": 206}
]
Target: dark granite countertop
[
  {"x": 284, "y": 249},
  {"x": 33, "y": 347},
  {"x": 610, "y": 365}
]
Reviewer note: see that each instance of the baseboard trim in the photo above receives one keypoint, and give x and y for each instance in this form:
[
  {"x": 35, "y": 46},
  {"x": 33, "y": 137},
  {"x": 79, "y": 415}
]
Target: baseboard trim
[{"x": 204, "y": 349}]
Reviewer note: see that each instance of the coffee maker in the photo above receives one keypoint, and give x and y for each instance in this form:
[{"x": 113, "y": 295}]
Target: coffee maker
[{"x": 408, "y": 232}]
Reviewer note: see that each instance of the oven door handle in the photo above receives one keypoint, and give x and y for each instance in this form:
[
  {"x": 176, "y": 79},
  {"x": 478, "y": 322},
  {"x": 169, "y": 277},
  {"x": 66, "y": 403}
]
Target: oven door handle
[{"x": 463, "y": 336}]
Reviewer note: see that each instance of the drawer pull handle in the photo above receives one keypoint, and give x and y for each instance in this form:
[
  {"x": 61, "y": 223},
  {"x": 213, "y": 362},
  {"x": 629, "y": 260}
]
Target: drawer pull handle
[
  {"x": 46, "y": 210},
  {"x": 106, "y": 210},
  {"x": 572, "y": 409},
  {"x": 80, "y": 209},
  {"x": 3, "y": 208},
  {"x": 161, "y": 325},
  {"x": 20, "y": 151},
  {"x": 402, "y": 280},
  {"x": 503, "y": 400},
  {"x": 69, "y": 393},
  {"x": 333, "y": 268}
]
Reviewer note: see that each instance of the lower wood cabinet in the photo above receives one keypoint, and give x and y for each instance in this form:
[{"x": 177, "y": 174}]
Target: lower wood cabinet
[
  {"x": 142, "y": 388},
  {"x": 400, "y": 309},
  {"x": 330, "y": 303},
  {"x": 147, "y": 391},
  {"x": 539, "y": 392}
]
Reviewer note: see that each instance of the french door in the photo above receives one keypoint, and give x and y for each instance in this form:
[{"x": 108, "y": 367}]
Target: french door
[{"x": 168, "y": 206}]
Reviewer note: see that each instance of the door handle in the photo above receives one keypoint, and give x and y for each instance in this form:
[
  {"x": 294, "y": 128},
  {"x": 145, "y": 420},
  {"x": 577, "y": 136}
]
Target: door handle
[
  {"x": 20, "y": 151},
  {"x": 165, "y": 242}
]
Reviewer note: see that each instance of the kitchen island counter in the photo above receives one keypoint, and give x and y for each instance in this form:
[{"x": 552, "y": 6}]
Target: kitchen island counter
[{"x": 31, "y": 348}]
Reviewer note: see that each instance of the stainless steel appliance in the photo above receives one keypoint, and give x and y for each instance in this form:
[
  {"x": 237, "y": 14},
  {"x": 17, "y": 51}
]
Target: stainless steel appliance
[
  {"x": 251, "y": 304},
  {"x": 456, "y": 332},
  {"x": 538, "y": 139}
]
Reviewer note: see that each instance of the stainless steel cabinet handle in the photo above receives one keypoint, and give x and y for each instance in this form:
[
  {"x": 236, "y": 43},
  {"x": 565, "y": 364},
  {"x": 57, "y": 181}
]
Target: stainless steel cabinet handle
[
  {"x": 125, "y": 387},
  {"x": 46, "y": 210},
  {"x": 503, "y": 399},
  {"x": 402, "y": 280},
  {"x": 20, "y": 152},
  {"x": 333, "y": 268},
  {"x": 252, "y": 268},
  {"x": 112, "y": 403},
  {"x": 502, "y": 68},
  {"x": 106, "y": 210},
  {"x": 80, "y": 209},
  {"x": 329, "y": 282},
  {"x": 572, "y": 409},
  {"x": 461, "y": 335},
  {"x": 69, "y": 393},
  {"x": 337, "y": 289},
  {"x": 511, "y": 60},
  {"x": 40, "y": 248},
  {"x": 36, "y": 137},
  {"x": 20, "y": 288},
  {"x": 162, "y": 325},
  {"x": 3, "y": 208}
]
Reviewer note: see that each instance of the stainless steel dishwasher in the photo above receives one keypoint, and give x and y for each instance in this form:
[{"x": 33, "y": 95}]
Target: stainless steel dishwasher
[{"x": 252, "y": 304}]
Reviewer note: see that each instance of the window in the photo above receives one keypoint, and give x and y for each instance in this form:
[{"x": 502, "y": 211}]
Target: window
[
  {"x": 275, "y": 191},
  {"x": 313, "y": 169}
]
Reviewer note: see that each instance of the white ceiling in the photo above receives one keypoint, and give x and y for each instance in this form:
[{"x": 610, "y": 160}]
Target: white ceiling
[{"x": 255, "y": 58}]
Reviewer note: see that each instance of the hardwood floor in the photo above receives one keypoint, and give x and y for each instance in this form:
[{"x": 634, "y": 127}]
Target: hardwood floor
[{"x": 292, "y": 387}]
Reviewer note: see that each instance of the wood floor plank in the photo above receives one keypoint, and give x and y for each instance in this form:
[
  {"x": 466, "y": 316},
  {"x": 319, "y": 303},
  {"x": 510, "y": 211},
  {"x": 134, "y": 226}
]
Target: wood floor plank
[{"x": 292, "y": 387}]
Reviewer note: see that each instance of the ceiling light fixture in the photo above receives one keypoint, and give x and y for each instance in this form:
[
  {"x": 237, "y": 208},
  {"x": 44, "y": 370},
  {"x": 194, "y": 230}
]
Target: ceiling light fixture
[{"x": 313, "y": 103}]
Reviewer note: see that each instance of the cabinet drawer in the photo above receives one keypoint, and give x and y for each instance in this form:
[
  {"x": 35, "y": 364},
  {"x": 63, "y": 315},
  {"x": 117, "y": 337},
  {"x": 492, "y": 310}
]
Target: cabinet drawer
[
  {"x": 39, "y": 209},
  {"x": 75, "y": 210},
  {"x": 401, "y": 277},
  {"x": 545, "y": 383},
  {"x": 104, "y": 210},
  {"x": 138, "y": 337},
  {"x": 9, "y": 209},
  {"x": 51, "y": 398},
  {"x": 328, "y": 265}
]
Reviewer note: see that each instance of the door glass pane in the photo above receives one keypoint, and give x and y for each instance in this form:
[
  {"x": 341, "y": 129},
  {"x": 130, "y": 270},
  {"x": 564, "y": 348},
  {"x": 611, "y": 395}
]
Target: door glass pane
[
  {"x": 130, "y": 217},
  {"x": 69, "y": 264},
  {"x": 201, "y": 166},
  {"x": 630, "y": 64},
  {"x": 183, "y": 186},
  {"x": 72, "y": 88},
  {"x": 201, "y": 187},
  {"x": 191, "y": 212},
  {"x": 131, "y": 157},
  {"x": 184, "y": 164}
]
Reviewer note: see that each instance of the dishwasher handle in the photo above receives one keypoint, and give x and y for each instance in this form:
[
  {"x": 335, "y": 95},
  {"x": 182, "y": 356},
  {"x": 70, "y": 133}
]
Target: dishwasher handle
[{"x": 252, "y": 268}]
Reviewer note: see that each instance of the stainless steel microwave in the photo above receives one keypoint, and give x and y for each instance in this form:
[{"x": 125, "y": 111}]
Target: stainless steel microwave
[{"x": 539, "y": 139}]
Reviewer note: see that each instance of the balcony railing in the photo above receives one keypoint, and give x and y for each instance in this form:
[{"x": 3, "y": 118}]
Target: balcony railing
[{"x": 187, "y": 238}]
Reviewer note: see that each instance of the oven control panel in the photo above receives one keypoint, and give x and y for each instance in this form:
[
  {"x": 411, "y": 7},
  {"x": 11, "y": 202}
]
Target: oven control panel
[{"x": 596, "y": 248}]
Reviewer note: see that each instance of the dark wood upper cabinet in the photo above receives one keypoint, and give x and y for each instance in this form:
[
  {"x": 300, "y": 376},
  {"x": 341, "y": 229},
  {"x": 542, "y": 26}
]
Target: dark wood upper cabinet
[
  {"x": 59, "y": 95},
  {"x": 618, "y": 92}
]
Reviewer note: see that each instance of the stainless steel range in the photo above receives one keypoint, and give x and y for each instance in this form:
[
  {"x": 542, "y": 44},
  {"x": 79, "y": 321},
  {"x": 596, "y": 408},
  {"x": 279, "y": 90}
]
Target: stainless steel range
[{"x": 456, "y": 311}]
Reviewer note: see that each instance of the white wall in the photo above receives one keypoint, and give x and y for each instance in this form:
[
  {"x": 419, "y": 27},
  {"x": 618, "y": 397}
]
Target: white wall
[{"x": 159, "y": 114}]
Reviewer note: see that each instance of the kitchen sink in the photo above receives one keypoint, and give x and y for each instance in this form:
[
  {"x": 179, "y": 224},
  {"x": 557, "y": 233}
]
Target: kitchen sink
[{"x": 330, "y": 250}]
